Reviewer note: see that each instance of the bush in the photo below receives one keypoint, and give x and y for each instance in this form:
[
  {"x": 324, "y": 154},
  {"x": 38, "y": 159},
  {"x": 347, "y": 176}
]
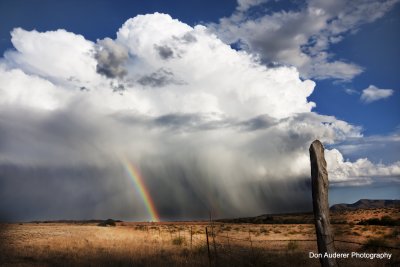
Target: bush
[
  {"x": 178, "y": 241},
  {"x": 385, "y": 221},
  {"x": 108, "y": 222},
  {"x": 140, "y": 227}
]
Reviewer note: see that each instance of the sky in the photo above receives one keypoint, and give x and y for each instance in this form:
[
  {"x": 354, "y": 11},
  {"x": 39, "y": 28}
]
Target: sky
[{"x": 140, "y": 110}]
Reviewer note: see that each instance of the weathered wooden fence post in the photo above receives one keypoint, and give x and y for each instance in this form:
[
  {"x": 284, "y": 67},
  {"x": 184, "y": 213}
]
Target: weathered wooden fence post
[{"x": 319, "y": 183}]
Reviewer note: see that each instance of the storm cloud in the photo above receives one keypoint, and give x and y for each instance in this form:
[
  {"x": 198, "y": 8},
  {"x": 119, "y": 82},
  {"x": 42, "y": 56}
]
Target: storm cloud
[{"x": 233, "y": 138}]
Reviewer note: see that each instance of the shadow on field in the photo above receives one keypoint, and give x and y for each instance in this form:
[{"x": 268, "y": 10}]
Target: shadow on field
[
  {"x": 183, "y": 257},
  {"x": 139, "y": 244}
]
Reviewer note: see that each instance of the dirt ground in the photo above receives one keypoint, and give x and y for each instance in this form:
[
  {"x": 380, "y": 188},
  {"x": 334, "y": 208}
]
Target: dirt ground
[{"x": 185, "y": 244}]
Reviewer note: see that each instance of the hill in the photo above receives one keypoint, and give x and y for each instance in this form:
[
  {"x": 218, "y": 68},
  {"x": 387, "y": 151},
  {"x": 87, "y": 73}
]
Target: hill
[
  {"x": 367, "y": 204},
  {"x": 337, "y": 213}
]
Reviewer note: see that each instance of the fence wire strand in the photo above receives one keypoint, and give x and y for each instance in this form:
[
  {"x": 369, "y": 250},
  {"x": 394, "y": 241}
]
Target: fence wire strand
[{"x": 234, "y": 249}]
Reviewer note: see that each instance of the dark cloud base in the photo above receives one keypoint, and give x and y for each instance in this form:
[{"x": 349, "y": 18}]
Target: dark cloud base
[{"x": 37, "y": 193}]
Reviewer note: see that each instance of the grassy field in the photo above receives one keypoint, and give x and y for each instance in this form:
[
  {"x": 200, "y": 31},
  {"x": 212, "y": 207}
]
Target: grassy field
[{"x": 172, "y": 244}]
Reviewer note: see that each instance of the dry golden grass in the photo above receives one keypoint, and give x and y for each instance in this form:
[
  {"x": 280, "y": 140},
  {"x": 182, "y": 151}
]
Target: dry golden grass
[
  {"x": 168, "y": 244},
  {"x": 355, "y": 216}
]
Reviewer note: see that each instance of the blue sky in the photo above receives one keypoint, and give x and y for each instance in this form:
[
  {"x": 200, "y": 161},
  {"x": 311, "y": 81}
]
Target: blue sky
[
  {"x": 106, "y": 16},
  {"x": 145, "y": 90},
  {"x": 375, "y": 48}
]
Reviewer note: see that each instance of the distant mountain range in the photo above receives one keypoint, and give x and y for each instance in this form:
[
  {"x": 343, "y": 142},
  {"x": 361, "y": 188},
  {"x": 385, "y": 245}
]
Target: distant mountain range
[
  {"x": 308, "y": 217},
  {"x": 367, "y": 204}
]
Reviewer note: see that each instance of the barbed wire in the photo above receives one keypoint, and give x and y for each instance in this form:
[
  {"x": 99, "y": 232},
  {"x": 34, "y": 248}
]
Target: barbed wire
[{"x": 199, "y": 238}]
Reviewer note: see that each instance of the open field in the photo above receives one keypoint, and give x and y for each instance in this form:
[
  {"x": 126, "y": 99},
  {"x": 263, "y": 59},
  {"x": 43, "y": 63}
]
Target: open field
[
  {"x": 172, "y": 244},
  {"x": 337, "y": 217}
]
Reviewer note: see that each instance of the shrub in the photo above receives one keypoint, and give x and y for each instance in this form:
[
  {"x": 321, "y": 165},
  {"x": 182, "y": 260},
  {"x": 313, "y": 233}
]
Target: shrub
[
  {"x": 108, "y": 222},
  {"x": 140, "y": 227},
  {"x": 178, "y": 241},
  {"x": 385, "y": 220}
]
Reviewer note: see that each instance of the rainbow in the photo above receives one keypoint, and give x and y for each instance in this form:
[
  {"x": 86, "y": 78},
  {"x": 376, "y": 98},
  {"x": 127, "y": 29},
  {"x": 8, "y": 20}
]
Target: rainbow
[{"x": 141, "y": 188}]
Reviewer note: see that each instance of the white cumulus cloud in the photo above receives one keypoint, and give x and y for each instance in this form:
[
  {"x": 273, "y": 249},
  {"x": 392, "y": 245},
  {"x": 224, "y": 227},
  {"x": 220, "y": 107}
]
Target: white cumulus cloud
[
  {"x": 301, "y": 36},
  {"x": 359, "y": 172},
  {"x": 373, "y": 93}
]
